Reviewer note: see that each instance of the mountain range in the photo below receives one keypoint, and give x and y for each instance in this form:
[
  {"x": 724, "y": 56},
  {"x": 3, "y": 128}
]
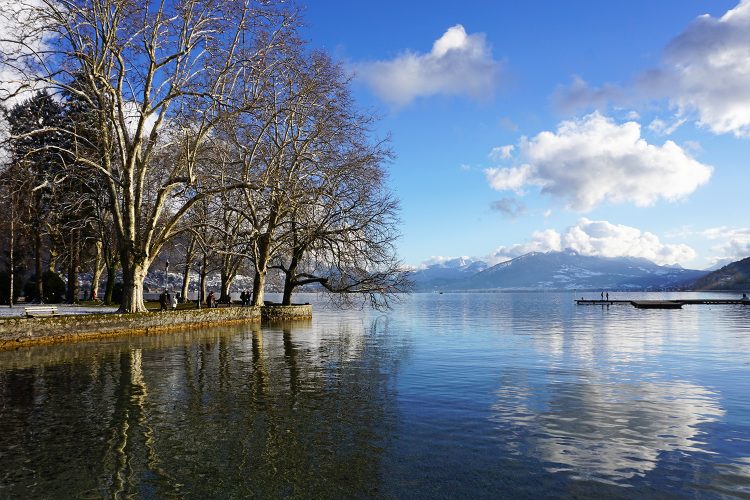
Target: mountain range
[
  {"x": 735, "y": 276},
  {"x": 566, "y": 270}
]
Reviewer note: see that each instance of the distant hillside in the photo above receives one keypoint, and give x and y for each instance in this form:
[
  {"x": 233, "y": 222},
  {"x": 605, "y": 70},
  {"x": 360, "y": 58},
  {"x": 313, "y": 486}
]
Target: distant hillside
[
  {"x": 566, "y": 270},
  {"x": 445, "y": 274},
  {"x": 735, "y": 276}
]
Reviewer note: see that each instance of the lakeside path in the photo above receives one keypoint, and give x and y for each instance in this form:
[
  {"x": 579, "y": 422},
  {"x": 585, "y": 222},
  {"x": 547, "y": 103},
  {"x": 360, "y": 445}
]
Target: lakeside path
[{"x": 18, "y": 310}]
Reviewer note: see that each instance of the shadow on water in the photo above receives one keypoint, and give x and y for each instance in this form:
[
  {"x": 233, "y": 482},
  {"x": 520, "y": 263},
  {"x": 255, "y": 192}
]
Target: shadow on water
[{"x": 273, "y": 411}]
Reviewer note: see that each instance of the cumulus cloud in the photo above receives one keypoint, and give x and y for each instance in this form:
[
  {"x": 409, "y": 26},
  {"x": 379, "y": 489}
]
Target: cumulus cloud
[
  {"x": 704, "y": 71},
  {"x": 733, "y": 243},
  {"x": 710, "y": 63},
  {"x": 605, "y": 239},
  {"x": 601, "y": 239},
  {"x": 509, "y": 207},
  {"x": 458, "y": 64},
  {"x": 593, "y": 159}
]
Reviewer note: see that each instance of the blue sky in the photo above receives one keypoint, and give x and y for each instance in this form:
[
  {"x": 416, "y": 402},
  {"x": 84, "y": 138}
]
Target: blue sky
[{"x": 629, "y": 123}]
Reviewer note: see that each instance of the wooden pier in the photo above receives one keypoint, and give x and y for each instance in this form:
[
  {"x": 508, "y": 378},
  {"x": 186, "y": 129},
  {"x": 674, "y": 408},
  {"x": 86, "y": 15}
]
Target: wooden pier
[{"x": 663, "y": 304}]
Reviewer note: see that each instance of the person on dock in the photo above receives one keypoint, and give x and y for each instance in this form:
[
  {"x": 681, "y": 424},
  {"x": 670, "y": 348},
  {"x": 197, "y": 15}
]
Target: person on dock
[
  {"x": 607, "y": 296},
  {"x": 602, "y": 295},
  {"x": 744, "y": 297}
]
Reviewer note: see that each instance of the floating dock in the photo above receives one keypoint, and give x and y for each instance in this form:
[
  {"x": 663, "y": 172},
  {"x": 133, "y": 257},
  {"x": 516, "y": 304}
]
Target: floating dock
[{"x": 663, "y": 304}]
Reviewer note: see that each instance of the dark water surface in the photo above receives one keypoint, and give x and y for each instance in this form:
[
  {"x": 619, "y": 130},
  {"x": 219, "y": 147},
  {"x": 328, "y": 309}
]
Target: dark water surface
[{"x": 462, "y": 395}]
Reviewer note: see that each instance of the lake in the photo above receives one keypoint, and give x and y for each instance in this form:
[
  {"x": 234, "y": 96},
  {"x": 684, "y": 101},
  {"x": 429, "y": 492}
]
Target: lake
[{"x": 462, "y": 395}]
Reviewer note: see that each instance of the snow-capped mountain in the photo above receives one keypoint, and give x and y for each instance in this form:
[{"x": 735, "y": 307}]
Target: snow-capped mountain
[
  {"x": 442, "y": 274},
  {"x": 567, "y": 270}
]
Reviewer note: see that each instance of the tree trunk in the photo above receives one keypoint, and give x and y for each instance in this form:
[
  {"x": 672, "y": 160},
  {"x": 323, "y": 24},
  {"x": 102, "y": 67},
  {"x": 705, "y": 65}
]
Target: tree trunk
[
  {"x": 261, "y": 268},
  {"x": 53, "y": 255},
  {"x": 185, "y": 283},
  {"x": 290, "y": 283},
  {"x": 134, "y": 270},
  {"x": 259, "y": 285},
  {"x": 226, "y": 283},
  {"x": 39, "y": 291},
  {"x": 289, "y": 286},
  {"x": 110, "y": 286},
  {"x": 186, "y": 272},
  {"x": 203, "y": 275},
  {"x": 11, "y": 254},
  {"x": 98, "y": 269},
  {"x": 74, "y": 267}
]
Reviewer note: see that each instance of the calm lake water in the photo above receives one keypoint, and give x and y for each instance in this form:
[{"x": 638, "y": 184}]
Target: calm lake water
[{"x": 461, "y": 395}]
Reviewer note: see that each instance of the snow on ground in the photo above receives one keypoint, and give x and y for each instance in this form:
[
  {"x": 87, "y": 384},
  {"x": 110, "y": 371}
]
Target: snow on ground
[{"x": 18, "y": 310}]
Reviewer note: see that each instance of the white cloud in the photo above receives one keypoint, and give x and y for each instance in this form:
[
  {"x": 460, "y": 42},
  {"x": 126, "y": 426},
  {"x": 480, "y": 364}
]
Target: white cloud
[
  {"x": 458, "y": 64},
  {"x": 604, "y": 239},
  {"x": 502, "y": 152},
  {"x": 548, "y": 240},
  {"x": 601, "y": 239},
  {"x": 633, "y": 115},
  {"x": 661, "y": 127},
  {"x": 22, "y": 48},
  {"x": 16, "y": 59},
  {"x": 693, "y": 146},
  {"x": 705, "y": 71},
  {"x": 710, "y": 64},
  {"x": 132, "y": 113},
  {"x": 512, "y": 178},
  {"x": 593, "y": 159},
  {"x": 734, "y": 242}
]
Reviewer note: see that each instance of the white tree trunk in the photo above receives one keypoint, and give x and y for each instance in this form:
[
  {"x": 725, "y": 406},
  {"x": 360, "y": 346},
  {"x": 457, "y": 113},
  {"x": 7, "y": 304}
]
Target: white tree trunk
[{"x": 132, "y": 294}]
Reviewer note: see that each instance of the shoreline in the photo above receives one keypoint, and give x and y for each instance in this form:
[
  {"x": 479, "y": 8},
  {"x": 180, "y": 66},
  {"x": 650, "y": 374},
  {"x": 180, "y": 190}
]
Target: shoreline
[{"x": 18, "y": 332}]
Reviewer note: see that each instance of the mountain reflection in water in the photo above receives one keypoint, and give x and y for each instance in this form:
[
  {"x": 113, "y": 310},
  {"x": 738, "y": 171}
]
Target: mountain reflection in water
[{"x": 475, "y": 395}]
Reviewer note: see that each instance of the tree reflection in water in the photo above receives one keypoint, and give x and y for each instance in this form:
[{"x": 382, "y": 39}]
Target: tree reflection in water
[{"x": 230, "y": 412}]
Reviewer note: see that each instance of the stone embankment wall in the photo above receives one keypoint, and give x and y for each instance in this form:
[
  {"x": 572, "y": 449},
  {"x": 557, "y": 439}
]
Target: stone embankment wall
[
  {"x": 16, "y": 332},
  {"x": 280, "y": 313}
]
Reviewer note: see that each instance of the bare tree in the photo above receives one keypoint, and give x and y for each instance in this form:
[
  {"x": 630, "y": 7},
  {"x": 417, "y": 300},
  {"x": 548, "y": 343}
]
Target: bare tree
[
  {"x": 338, "y": 224},
  {"x": 157, "y": 75},
  {"x": 344, "y": 240},
  {"x": 276, "y": 157},
  {"x": 232, "y": 246}
]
